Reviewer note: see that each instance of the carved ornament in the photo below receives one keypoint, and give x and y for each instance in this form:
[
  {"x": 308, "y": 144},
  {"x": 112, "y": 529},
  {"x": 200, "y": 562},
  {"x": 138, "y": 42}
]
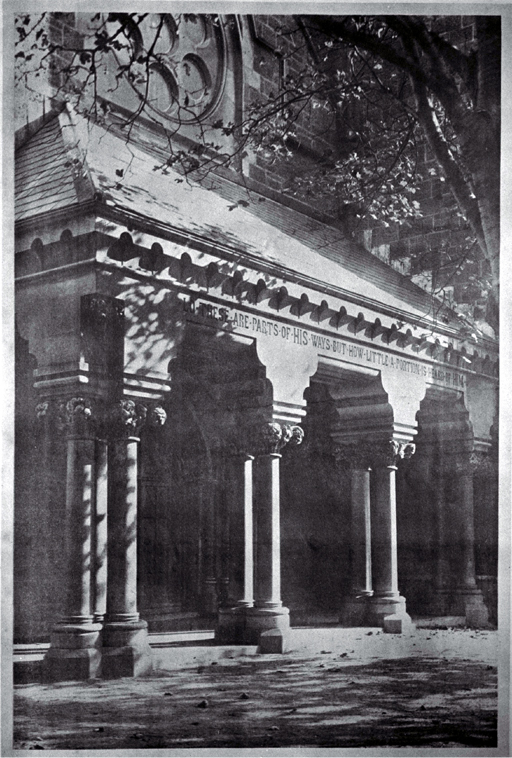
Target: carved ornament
[
  {"x": 365, "y": 453},
  {"x": 127, "y": 418},
  {"x": 270, "y": 437},
  {"x": 75, "y": 417},
  {"x": 157, "y": 416}
]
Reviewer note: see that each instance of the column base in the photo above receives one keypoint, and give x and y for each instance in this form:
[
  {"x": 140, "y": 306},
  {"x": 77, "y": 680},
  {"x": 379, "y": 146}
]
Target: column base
[
  {"x": 355, "y": 611},
  {"x": 440, "y": 605},
  {"x": 231, "y": 626},
  {"x": 126, "y": 650},
  {"x": 62, "y": 665},
  {"x": 209, "y": 602},
  {"x": 389, "y": 613},
  {"x": 268, "y": 628},
  {"x": 469, "y": 602},
  {"x": 74, "y": 654}
]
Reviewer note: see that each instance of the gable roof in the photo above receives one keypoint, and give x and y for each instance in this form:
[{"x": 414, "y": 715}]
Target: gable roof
[{"x": 69, "y": 160}]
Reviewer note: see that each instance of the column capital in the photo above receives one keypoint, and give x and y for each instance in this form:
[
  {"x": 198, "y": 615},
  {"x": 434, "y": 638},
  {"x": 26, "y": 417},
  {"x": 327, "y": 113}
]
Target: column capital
[
  {"x": 389, "y": 452},
  {"x": 126, "y": 418},
  {"x": 73, "y": 416},
  {"x": 367, "y": 453},
  {"x": 353, "y": 455},
  {"x": 269, "y": 437},
  {"x": 240, "y": 441},
  {"x": 483, "y": 463}
]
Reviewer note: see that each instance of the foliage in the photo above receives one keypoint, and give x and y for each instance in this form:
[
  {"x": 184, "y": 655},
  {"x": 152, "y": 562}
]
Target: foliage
[{"x": 370, "y": 90}]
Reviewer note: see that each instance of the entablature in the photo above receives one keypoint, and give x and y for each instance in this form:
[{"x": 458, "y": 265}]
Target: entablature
[{"x": 233, "y": 290}]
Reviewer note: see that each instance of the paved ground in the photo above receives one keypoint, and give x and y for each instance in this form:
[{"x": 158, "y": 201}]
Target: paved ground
[{"x": 336, "y": 688}]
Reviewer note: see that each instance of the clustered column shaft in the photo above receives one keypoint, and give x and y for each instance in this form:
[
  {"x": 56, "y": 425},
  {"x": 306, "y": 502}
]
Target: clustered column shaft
[
  {"x": 374, "y": 598},
  {"x": 101, "y": 487},
  {"x": 264, "y": 620}
]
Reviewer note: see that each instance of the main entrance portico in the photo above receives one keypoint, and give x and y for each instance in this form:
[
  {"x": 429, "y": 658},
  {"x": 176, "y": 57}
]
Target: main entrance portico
[{"x": 231, "y": 439}]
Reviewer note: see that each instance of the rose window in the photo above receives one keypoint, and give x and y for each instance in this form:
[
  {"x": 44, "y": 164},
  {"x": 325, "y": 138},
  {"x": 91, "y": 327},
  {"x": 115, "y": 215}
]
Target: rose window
[{"x": 179, "y": 66}]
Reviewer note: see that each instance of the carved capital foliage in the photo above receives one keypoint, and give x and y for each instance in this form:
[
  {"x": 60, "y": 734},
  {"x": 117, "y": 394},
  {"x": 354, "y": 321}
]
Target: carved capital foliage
[
  {"x": 72, "y": 416},
  {"x": 241, "y": 441},
  {"x": 75, "y": 417},
  {"x": 483, "y": 464},
  {"x": 126, "y": 418},
  {"x": 474, "y": 463},
  {"x": 83, "y": 417},
  {"x": 372, "y": 454},
  {"x": 43, "y": 411},
  {"x": 356, "y": 455},
  {"x": 391, "y": 452},
  {"x": 271, "y": 437}
]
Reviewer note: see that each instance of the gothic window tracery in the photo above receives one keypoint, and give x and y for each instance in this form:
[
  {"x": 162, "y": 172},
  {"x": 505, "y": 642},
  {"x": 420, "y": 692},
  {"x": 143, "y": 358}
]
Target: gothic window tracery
[{"x": 176, "y": 62}]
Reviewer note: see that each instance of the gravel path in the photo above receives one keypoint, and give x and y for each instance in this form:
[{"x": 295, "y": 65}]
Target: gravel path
[{"x": 336, "y": 688}]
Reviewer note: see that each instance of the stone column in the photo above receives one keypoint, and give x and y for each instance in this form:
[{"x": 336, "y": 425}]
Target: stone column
[
  {"x": 468, "y": 597},
  {"x": 268, "y": 621},
  {"x": 231, "y": 626},
  {"x": 100, "y": 533},
  {"x": 355, "y": 607},
  {"x": 209, "y": 491},
  {"x": 76, "y": 639},
  {"x": 442, "y": 566},
  {"x": 387, "y": 606},
  {"x": 126, "y": 650}
]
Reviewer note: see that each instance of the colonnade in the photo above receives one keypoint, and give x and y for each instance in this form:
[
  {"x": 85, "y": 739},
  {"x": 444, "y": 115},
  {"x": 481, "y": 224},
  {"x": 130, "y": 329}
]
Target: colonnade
[
  {"x": 374, "y": 596},
  {"x": 101, "y": 631}
]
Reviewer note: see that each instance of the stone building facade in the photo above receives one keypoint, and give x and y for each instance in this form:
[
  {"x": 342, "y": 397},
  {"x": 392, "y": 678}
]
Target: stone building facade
[{"x": 227, "y": 415}]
